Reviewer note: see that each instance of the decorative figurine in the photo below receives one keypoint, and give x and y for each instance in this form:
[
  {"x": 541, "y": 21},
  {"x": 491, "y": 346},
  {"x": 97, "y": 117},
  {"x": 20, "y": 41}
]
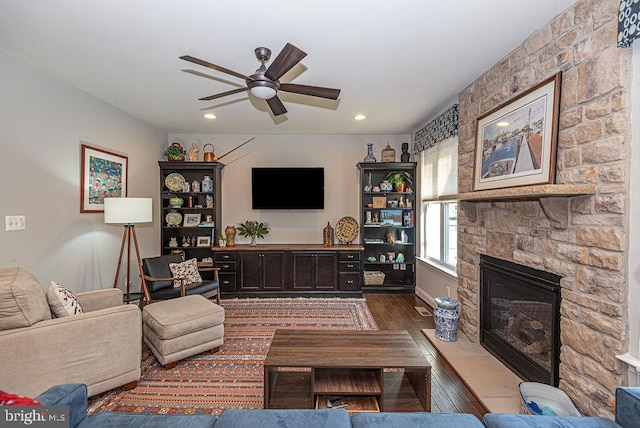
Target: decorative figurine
[
  {"x": 193, "y": 152},
  {"x": 405, "y": 156},
  {"x": 388, "y": 154},
  {"x": 328, "y": 235}
]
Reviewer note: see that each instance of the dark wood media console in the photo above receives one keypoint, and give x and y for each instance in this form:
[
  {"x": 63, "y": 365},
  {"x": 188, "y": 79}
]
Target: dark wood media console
[{"x": 280, "y": 270}]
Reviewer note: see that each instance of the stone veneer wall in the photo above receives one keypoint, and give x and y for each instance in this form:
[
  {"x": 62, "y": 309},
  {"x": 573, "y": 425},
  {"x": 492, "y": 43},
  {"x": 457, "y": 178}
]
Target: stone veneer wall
[{"x": 593, "y": 147}]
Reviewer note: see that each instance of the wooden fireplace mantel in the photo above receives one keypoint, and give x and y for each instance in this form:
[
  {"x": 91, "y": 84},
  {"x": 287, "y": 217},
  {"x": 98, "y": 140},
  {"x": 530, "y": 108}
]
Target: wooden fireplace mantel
[{"x": 554, "y": 199}]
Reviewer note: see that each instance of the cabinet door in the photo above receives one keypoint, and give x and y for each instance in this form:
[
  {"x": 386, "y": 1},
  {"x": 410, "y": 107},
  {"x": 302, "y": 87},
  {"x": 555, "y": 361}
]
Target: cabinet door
[
  {"x": 326, "y": 270},
  {"x": 273, "y": 271},
  {"x": 303, "y": 271},
  {"x": 250, "y": 264}
]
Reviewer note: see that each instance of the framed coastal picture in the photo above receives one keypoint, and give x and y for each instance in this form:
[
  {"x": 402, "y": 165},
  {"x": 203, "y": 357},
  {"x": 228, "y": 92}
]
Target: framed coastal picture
[
  {"x": 516, "y": 143},
  {"x": 103, "y": 175}
]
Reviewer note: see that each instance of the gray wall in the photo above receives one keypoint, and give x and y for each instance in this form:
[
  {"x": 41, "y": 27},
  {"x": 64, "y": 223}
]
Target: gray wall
[{"x": 44, "y": 121}]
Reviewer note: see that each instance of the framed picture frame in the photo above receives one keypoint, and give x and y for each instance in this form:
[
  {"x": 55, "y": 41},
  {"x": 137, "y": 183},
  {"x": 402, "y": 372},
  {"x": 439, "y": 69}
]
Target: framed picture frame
[
  {"x": 203, "y": 241},
  {"x": 103, "y": 175},
  {"x": 379, "y": 202},
  {"x": 191, "y": 220},
  {"x": 516, "y": 143}
]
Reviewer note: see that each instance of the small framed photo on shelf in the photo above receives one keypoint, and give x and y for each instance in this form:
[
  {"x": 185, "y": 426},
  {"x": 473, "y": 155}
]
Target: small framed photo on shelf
[
  {"x": 203, "y": 241},
  {"x": 391, "y": 217},
  {"x": 191, "y": 220},
  {"x": 379, "y": 202}
]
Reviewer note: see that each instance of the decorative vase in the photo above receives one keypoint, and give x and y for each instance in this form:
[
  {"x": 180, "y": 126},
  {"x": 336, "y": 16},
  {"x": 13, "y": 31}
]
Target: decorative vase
[
  {"x": 370, "y": 157},
  {"x": 222, "y": 242},
  {"x": 253, "y": 241},
  {"x": 328, "y": 235},
  {"x": 385, "y": 186},
  {"x": 230, "y": 233},
  {"x": 446, "y": 318}
]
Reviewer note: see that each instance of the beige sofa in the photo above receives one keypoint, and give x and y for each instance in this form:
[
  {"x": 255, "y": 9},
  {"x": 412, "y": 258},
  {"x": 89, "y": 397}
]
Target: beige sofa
[{"x": 101, "y": 347}]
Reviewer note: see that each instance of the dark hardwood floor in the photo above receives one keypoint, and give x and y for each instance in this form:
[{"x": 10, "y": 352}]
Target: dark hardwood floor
[{"x": 396, "y": 312}]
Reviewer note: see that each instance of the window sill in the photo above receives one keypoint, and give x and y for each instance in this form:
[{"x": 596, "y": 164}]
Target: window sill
[{"x": 442, "y": 268}]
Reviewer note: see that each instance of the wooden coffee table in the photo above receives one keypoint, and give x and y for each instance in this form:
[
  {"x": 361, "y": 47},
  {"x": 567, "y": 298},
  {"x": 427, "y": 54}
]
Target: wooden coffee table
[{"x": 346, "y": 363}]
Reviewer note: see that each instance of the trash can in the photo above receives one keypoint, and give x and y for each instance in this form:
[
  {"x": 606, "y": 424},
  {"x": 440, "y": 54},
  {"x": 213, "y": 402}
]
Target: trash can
[
  {"x": 542, "y": 399},
  {"x": 447, "y": 318}
]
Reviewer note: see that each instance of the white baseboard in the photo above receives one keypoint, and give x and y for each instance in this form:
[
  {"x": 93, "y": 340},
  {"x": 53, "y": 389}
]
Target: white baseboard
[{"x": 426, "y": 297}]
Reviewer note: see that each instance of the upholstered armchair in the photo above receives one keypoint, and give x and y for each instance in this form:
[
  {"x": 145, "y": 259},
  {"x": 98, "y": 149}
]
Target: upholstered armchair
[
  {"x": 100, "y": 347},
  {"x": 158, "y": 282}
]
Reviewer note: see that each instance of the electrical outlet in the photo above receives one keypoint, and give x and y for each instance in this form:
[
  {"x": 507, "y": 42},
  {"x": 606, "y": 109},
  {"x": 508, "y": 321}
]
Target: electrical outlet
[{"x": 14, "y": 222}]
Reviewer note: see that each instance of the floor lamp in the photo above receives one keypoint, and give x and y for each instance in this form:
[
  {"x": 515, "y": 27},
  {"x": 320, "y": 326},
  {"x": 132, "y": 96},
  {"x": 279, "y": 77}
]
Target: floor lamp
[{"x": 128, "y": 212}]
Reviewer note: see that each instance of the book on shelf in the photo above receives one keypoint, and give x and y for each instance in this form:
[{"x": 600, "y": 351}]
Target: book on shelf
[{"x": 336, "y": 401}]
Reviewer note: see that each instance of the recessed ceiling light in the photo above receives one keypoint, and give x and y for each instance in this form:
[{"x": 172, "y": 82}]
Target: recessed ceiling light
[
  {"x": 359, "y": 117},
  {"x": 210, "y": 116}
]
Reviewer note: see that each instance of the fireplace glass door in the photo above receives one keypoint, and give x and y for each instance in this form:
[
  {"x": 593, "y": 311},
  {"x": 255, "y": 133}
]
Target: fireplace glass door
[{"x": 520, "y": 318}]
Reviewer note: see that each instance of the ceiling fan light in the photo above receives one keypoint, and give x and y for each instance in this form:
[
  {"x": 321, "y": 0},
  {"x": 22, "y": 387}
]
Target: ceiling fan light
[{"x": 263, "y": 92}]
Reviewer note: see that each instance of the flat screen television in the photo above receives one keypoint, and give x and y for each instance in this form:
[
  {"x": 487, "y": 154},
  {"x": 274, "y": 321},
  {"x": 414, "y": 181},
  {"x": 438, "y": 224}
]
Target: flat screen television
[{"x": 287, "y": 188}]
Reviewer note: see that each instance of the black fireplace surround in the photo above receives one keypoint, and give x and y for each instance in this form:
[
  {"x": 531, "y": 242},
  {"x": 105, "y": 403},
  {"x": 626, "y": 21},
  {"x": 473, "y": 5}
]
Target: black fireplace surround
[{"x": 520, "y": 318}]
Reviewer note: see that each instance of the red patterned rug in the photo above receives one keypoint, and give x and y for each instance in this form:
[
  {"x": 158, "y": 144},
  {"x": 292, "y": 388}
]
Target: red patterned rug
[{"x": 233, "y": 377}]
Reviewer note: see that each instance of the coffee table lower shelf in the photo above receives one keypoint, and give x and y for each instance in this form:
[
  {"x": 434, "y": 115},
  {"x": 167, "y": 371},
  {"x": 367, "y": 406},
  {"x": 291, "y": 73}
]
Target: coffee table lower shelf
[
  {"x": 292, "y": 390},
  {"x": 355, "y": 403}
]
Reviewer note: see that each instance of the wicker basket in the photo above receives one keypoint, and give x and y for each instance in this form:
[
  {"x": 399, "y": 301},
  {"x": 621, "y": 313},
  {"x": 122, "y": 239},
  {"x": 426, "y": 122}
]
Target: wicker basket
[{"x": 374, "y": 277}]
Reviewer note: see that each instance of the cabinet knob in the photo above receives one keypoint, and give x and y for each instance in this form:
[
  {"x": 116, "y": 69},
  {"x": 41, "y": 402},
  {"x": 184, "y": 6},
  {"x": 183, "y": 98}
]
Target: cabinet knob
[
  {"x": 350, "y": 266},
  {"x": 350, "y": 281},
  {"x": 350, "y": 256},
  {"x": 225, "y": 282},
  {"x": 226, "y": 256},
  {"x": 225, "y": 266}
]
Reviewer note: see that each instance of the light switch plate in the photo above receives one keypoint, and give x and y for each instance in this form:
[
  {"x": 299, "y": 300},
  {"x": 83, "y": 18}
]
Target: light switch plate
[{"x": 14, "y": 222}]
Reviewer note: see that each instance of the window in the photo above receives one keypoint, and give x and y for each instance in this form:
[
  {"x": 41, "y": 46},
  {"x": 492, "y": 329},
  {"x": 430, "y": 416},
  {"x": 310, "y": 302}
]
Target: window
[{"x": 439, "y": 172}]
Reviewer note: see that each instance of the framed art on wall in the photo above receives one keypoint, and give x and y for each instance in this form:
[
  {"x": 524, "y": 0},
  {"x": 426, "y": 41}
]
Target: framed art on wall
[
  {"x": 103, "y": 175},
  {"x": 516, "y": 143}
]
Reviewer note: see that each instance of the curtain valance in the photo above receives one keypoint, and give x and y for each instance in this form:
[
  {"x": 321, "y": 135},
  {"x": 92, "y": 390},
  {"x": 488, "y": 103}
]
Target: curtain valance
[
  {"x": 628, "y": 22},
  {"x": 442, "y": 127}
]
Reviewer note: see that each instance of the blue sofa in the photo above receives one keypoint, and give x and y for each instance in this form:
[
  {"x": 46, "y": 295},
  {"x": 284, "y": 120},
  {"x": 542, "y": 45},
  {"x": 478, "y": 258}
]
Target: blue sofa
[{"x": 74, "y": 395}]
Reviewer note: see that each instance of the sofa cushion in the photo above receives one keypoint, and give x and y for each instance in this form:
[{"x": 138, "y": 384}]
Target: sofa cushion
[
  {"x": 498, "y": 420},
  {"x": 22, "y": 299},
  {"x": 307, "y": 418},
  {"x": 417, "y": 419},
  {"x": 63, "y": 303},
  {"x": 188, "y": 270},
  {"x": 132, "y": 420}
]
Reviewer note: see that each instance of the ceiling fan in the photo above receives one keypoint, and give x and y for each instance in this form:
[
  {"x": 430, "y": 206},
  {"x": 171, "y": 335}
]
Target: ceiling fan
[{"x": 264, "y": 83}]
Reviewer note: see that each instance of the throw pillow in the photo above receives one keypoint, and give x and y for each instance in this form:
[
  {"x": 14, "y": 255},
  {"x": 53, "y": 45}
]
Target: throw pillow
[
  {"x": 22, "y": 299},
  {"x": 7, "y": 399},
  {"x": 187, "y": 270},
  {"x": 63, "y": 303}
]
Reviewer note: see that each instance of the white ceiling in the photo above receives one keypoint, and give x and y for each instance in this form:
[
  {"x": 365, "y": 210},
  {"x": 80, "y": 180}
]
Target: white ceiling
[{"x": 399, "y": 62}]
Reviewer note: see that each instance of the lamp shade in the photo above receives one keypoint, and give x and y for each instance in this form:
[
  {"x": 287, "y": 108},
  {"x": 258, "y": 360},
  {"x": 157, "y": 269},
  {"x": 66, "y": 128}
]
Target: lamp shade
[{"x": 128, "y": 210}]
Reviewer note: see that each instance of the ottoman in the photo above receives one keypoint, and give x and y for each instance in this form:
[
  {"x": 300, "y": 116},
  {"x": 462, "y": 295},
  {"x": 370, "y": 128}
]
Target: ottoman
[{"x": 179, "y": 328}]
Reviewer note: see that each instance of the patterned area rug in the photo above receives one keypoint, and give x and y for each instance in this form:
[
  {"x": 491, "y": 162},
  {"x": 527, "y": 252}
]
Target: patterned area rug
[{"x": 233, "y": 377}]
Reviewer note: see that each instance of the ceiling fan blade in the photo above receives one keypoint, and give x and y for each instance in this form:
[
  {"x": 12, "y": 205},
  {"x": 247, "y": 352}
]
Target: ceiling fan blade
[
  {"x": 276, "y": 106},
  {"x": 288, "y": 57},
  {"x": 223, "y": 94},
  {"x": 314, "y": 91},
  {"x": 213, "y": 66}
]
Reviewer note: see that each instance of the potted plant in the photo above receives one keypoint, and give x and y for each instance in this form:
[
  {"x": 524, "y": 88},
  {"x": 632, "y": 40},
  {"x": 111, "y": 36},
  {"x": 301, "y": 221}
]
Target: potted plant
[
  {"x": 400, "y": 180},
  {"x": 175, "y": 152},
  {"x": 222, "y": 241},
  {"x": 253, "y": 229}
]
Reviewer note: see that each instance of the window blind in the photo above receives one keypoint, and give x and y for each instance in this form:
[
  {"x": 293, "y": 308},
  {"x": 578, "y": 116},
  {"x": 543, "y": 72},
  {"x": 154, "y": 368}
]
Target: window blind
[{"x": 439, "y": 169}]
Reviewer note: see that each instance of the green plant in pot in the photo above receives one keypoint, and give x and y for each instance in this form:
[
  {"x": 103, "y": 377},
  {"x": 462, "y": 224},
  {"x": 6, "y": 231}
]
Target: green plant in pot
[
  {"x": 253, "y": 229},
  {"x": 399, "y": 180},
  {"x": 175, "y": 152}
]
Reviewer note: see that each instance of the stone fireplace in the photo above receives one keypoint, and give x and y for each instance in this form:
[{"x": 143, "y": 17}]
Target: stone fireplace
[
  {"x": 520, "y": 318},
  {"x": 590, "y": 249}
]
